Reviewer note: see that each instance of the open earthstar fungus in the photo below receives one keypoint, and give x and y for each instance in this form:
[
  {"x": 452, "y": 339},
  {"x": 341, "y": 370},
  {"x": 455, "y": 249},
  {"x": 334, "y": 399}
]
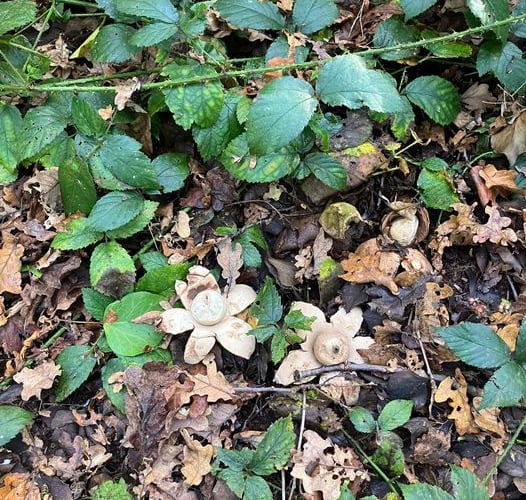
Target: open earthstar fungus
[
  {"x": 327, "y": 343},
  {"x": 210, "y": 315}
]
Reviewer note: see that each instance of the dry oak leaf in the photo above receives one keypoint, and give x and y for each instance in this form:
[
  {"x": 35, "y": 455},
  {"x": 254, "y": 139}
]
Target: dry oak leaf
[
  {"x": 196, "y": 459},
  {"x": 230, "y": 260},
  {"x": 511, "y": 140},
  {"x": 10, "y": 265},
  {"x": 370, "y": 264},
  {"x": 496, "y": 229},
  {"x": 488, "y": 419},
  {"x": 478, "y": 97},
  {"x": 323, "y": 466},
  {"x": 213, "y": 385},
  {"x": 33, "y": 380},
  {"x": 18, "y": 486},
  {"x": 500, "y": 181}
]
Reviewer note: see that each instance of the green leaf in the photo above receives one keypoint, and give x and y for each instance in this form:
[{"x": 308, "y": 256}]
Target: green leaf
[
  {"x": 198, "y": 103},
  {"x": 466, "y": 484},
  {"x": 413, "y": 8},
  {"x": 40, "y": 126},
  {"x": 78, "y": 234},
  {"x": 346, "y": 493},
  {"x": 77, "y": 188},
  {"x": 137, "y": 224},
  {"x": 437, "y": 97},
  {"x": 212, "y": 141},
  {"x": 519, "y": 28},
  {"x": 263, "y": 333},
  {"x": 435, "y": 184},
  {"x": 152, "y": 34},
  {"x": 347, "y": 81},
  {"x": 254, "y": 14},
  {"x": 395, "y": 414},
  {"x": 235, "y": 460},
  {"x": 267, "y": 308},
  {"x": 393, "y": 31},
  {"x": 113, "y": 44},
  {"x": 162, "y": 279},
  {"x": 124, "y": 337},
  {"x": 362, "y": 419},
  {"x": 96, "y": 302},
  {"x": 172, "y": 170},
  {"x": 278, "y": 346},
  {"x": 13, "y": 419},
  {"x": 520, "y": 347},
  {"x": 153, "y": 260},
  {"x": 108, "y": 490},
  {"x": 266, "y": 168},
  {"x": 424, "y": 491},
  {"x": 111, "y": 262},
  {"x": 86, "y": 119},
  {"x": 257, "y": 487},
  {"x": 327, "y": 169},
  {"x": 160, "y": 10},
  {"x": 77, "y": 362},
  {"x": 16, "y": 13},
  {"x": 115, "y": 209},
  {"x": 389, "y": 455},
  {"x": 489, "y": 11},
  {"x": 507, "y": 387},
  {"x": 313, "y": 15},
  {"x": 448, "y": 48},
  {"x": 506, "y": 63},
  {"x": 273, "y": 452},
  {"x": 298, "y": 321},
  {"x": 235, "y": 480},
  {"x": 476, "y": 344},
  {"x": 10, "y": 125},
  {"x": 280, "y": 112}
]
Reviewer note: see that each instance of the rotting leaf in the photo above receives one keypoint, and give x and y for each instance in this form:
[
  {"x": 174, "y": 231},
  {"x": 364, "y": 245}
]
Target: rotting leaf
[
  {"x": 511, "y": 140},
  {"x": 496, "y": 229},
  {"x": 10, "y": 265},
  {"x": 229, "y": 258},
  {"x": 196, "y": 459},
  {"x": 34, "y": 380}
]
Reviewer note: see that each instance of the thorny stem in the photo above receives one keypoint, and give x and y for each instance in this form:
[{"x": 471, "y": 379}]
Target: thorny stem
[
  {"x": 46, "y": 87},
  {"x": 506, "y": 450}
]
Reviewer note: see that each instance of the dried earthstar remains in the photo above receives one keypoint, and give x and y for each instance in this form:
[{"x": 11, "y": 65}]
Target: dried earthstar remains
[
  {"x": 210, "y": 315},
  {"x": 327, "y": 343}
]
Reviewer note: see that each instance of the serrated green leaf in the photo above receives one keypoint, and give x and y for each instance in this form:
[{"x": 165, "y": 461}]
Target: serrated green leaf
[
  {"x": 154, "y": 33},
  {"x": 389, "y": 455},
  {"x": 437, "y": 97},
  {"x": 16, "y": 13},
  {"x": 13, "y": 419},
  {"x": 297, "y": 320},
  {"x": 395, "y": 414},
  {"x": 162, "y": 279},
  {"x": 113, "y": 44},
  {"x": 313, "y": 15},
  {"x": 413, "y": 8},
  {"x": 263, "y": 333},
  {"x": 280, "y": 48},
  {"x": 132, "y": 306},
  {"x": 86, "y": 119},
  {"x": 393, "y": 31},
  {"x": 153, "y": 260},
  {"x": 266, "y": 168},
  {"x": 267, "y": 308},
  {"x": 212, "y": 141},
  {"x": 96, "y": 302},
  {"x": 273, "y": 451},
  {"x": 10, "y": 126},
  {"x": 327, "y": 169},
  {"x": 137, "y": 224},
  {"x": 77, "y": 362},
  {"x": 466, "y": 484},
  {"x": 171, "y": 170},
  {"x": 519, "y": 28},
  {"x": 61, "y": 150},
  {"x": 40, "y": 126},
  {"x": 235, "y": 460},
  {"x": 257, "y": 487},
  {"x": 78, "y": 234},
  {"x": 115, "y": 209},
  {"x": 476, "y": 344},
  {"x": 424, "y": 491},
  {"x": 108, "y": 490},
  {"x": 347, "y": 81},
  {"x": 280, "y": 112},
  {"x": 109, "y": 258},
  {"x": 362, "y": 419},
  {"x": 506, "y": 387},
  {"x": 254, "y": 14},
  {"x": 77, "y": 188},
  {"x": 160, "y": 10},
  {"x": 234, "y": 480},
  {"x": 448, "y": 48},
  {"x": 198, "y": 103},
  {"x": 346, "y": 493},
  {"x": 250, "y": 255},
  {"x": 506, "y": 63},
  {"x": 489, "y": 11},
  {"x": 435, "y": 184},
  {"x": 278, "y": 346}
]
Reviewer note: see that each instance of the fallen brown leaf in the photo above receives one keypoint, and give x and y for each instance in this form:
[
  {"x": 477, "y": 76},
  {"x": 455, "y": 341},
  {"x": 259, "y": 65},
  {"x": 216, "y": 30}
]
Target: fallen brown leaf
[
  {"x": 230, "y": 260},
  {"x": 10, "y": 264},
  {"x": 33, "y": 380},
  {"x": 18, "y": 486},
  {"x": 511, "y": 140},
  {"x": 196, "y": 459}
]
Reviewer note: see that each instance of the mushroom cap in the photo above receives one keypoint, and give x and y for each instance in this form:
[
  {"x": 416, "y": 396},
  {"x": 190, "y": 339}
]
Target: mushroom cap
[
  {"x": 208, "y": 307},
  {"x": 331, "y": 347}
]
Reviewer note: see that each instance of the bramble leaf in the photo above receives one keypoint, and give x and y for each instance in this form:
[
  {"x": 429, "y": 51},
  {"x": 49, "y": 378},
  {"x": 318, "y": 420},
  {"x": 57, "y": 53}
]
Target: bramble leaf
[
  {"x": 506, "y": 387},
  {"x": 113, "y": 44},
  {"x": 395, "y": 414},
  {"x": 111, "y": 265},
  {"x": 78, "y": 234},
  {"x": 10, "y": 124},
  {"x": 171, "y": 170},
  {"x": 115, "y": 209},
  {"x": 413, "y": 8},
  {"x": 313, "y": 15},
  {"x": 13, "y": 419},
  {"x": 77, "y": 362},
  {"x": 160, "y": 10},
  {"x": 16, "y": 13},
  {"x": 138, "y": 223},
  {"x": 254, "y": 14},
  {"x": 327, "y": 169},
  {"x": 489, "y": 11},
  {"x": 466, "y": 484},
  {"x": 362, "y": 419},
  {"x": 77, "y": 188}
]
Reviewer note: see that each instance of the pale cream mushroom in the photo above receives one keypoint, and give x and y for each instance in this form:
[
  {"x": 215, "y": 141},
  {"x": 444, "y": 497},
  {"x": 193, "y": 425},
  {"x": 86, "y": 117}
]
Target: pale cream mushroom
[
  {"x": 326, "y": 344},
  {"x": 210, "y": 315}
]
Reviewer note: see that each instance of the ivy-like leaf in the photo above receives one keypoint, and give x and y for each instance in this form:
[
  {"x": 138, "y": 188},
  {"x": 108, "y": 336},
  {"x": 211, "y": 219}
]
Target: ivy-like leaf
[
  {"x": 437, "y": 97},
  {"x": 413, "y": 8},
  {"x": 347, "y": 81},
  {"x": 160, "y": 10},
  {"x": 78, "y": 234},
  {"x": 327, "y": 169},
  {"x": 113, "y": 44},
  {"x": 115, "y": 209},
  {"x": 77, "y": 362},
  {"x": 198, "y": 103},
  {"x": 13, "y": 419},
  {"x": 281, "y": 111},
  {"x": 254, "y": 14},
  {"x": 506, "y": 387},
  {"x": 313, "y": 15},
  {"x": 16, "y": 13},
  {"x": 77, "y": 188},
  {"x": 489, "y": 11},
  {"x": 476, "y": 344}
]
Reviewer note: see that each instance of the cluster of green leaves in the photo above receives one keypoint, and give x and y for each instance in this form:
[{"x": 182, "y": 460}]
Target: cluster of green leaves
[
  {"x": 478, "y": 345},
  {"x": 250, "y": 238},
  {"x": 268, "y": 311},
  {"x": 244, "y": 470}
]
